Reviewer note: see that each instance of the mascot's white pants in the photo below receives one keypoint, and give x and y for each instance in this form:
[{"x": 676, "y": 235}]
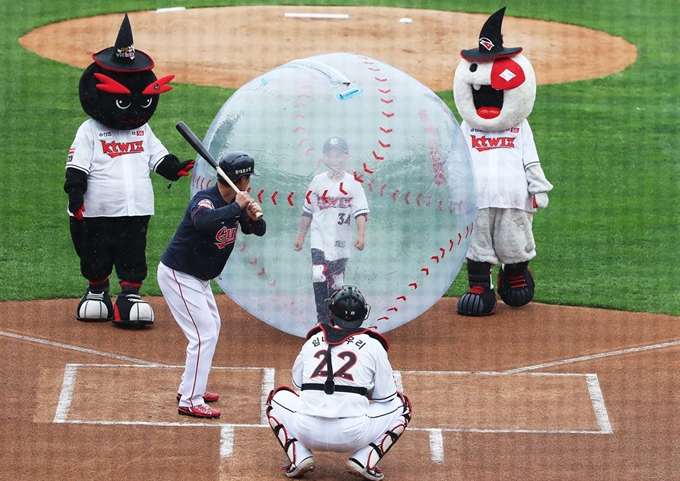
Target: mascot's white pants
[
  {"x": 336, "y": 434},
  {"x": 502, "y": 236}
]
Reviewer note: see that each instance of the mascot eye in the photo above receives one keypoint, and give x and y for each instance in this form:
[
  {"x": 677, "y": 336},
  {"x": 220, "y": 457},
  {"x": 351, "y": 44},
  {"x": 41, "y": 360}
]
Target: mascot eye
[
  {"x": 123, "y": 104},
  {"x": 473, "y": 67},
  {"x": 147, "y": 103}
]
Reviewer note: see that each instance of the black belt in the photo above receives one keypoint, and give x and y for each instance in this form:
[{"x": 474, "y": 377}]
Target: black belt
[{"x": 330, "y": 388}]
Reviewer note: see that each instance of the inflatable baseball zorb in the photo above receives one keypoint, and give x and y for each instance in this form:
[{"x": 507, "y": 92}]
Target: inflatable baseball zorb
[{"x": 406, "y": 150}]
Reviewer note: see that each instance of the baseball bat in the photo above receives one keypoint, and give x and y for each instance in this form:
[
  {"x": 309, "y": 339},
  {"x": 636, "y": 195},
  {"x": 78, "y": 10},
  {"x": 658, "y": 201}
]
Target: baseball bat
[{"x": 201, "y": 149}]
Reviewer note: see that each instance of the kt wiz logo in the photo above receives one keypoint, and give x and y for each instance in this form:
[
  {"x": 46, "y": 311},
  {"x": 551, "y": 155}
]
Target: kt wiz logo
[
  {"x": 484, "y": 143},
  {"x": 116, "y": 149}
]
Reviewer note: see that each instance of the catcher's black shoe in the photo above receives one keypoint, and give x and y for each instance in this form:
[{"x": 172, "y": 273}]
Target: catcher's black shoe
[
  {"x": 95, "y": 307},
  {"x": 478, "y": 301},
  {"x": 131, "y": 311},
  {"x": 516, "y": 284},
  {"x": 297, "y": 470},
  {"x": 355, "y": 468}
]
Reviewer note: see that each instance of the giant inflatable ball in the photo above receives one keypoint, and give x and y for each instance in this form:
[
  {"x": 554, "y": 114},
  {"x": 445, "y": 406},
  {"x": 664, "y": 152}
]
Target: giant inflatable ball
[{"x": 405, "y": 149}]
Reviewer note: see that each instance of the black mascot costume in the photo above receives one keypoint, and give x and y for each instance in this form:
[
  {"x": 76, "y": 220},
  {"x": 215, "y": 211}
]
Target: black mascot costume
[
  {"x": 494, "y": 90},
  {"x": 110, "y": 194}
]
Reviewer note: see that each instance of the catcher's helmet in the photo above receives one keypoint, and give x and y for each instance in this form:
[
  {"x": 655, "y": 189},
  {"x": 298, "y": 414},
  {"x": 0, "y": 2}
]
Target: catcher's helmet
[
  {"x": 237, "y": 164},
  {"x": 349, "y": 307}
]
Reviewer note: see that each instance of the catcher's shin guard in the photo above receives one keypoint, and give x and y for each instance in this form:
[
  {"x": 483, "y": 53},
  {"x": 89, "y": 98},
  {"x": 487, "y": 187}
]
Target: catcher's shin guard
[
  {"x": 516, "y": 284},
  {"x": 299, "y": 456},
  {"x": 363, "y": 463},
  {"x": 480, "y": 299},
  {"x": 131, "y": 311}
]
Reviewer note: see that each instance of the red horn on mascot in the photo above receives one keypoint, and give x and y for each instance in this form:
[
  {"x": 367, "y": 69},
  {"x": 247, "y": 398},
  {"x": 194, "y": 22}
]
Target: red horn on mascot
[
  {"x": 494, "y": 90},
  {"x": 110, "y": 195}
]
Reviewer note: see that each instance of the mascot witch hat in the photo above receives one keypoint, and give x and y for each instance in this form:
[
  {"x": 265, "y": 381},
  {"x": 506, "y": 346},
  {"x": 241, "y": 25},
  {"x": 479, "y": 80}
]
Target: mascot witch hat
[
  {"x": 123, "y": 57},
  {"x": 119, "y": 89},
  {"x": 491, "y": 41}
]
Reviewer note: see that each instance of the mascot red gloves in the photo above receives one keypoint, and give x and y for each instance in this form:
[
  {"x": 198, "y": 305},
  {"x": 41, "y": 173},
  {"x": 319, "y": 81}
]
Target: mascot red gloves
[
  {"x": 494, "y": 90},
  {"x": 107, "y": 179}
]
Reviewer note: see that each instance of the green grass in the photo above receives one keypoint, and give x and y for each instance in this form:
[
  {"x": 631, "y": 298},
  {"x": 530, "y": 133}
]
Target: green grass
[{"x": 610, "y": 146}]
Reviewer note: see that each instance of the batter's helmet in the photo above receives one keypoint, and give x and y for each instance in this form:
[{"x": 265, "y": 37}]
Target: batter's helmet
[
  {"x": 349, "y": 307},
  {"x": 237, "y": 164}
]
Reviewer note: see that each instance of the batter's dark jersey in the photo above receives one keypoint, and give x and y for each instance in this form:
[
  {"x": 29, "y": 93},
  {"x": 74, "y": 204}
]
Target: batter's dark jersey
[{"x": 206, "y": 235}]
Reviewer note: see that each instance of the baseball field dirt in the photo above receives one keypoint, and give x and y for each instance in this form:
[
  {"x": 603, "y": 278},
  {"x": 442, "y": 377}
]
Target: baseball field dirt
[
  {"x": 231, "y": 46},
  {"x": 538, "y": 393}
]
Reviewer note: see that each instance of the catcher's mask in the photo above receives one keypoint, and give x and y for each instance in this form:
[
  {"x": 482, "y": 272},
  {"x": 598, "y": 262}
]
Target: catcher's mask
[{"x": 349, "y": 307}]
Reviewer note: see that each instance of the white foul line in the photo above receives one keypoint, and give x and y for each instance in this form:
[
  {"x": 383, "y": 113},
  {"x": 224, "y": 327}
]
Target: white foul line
[
  {"x": 591, "y": 357},
  {"x": 79, "y": 349}
]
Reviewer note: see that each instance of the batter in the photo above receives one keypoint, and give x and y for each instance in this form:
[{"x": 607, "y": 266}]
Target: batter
[
  {"x": 348, "y": 401},
  {"x": 197, "y": 253}
]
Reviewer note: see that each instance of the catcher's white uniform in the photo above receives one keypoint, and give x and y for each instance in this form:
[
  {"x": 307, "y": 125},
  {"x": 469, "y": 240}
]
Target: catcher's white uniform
[{"x": 341, "y": 421}]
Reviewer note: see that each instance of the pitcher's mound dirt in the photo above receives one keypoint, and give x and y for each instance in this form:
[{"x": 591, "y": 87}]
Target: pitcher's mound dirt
[{"x": 230, "y": 46}]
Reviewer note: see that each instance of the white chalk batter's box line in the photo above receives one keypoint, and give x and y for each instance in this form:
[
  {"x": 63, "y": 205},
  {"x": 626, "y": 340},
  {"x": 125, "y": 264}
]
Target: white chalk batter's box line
[{"x": 268, "y": 376}]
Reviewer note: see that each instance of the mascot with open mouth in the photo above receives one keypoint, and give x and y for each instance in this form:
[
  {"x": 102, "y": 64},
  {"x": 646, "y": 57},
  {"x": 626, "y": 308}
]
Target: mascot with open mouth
[{"x": 494, "y": 90}]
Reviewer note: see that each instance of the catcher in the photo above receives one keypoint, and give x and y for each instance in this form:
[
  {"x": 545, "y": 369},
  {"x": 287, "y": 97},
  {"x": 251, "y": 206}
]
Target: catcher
[{"x": 348, "y": 401}]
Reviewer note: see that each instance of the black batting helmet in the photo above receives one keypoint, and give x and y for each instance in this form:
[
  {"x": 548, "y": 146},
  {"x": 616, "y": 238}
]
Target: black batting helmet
[
  {"x": 237, "y": 164},
  {"x": 349, "y": 307}
]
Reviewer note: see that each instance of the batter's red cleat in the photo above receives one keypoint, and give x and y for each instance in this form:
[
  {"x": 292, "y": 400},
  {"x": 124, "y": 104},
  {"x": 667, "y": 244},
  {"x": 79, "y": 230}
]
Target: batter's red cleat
[
  {"x": 209, "y": 397},
  {"x": 199, "y": 411}
]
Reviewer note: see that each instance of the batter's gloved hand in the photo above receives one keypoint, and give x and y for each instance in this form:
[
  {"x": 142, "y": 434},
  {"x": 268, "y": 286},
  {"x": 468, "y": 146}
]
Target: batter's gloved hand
[
  {"x": 76, "y": 206},
  {"x": 541, "y": 200},
  {"x": 185, "y": 167}
]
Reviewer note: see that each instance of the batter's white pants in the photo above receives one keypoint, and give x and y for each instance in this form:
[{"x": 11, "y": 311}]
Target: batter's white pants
[
  {"x": 342, "y": 435},
  {"x": 193, "y": 306}
]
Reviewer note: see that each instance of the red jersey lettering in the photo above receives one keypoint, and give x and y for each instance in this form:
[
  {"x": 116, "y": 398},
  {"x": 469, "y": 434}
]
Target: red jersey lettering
[
  {"x": 484, "y": 143},
  {"x": 116, "y": 149},
  {"x": 225, "y": 236}
]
